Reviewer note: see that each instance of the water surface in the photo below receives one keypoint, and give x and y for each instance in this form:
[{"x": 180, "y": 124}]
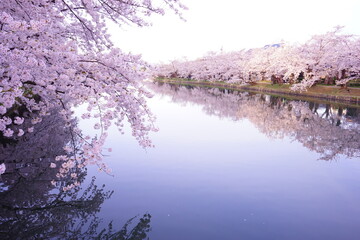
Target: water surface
[{"x": 227, "y": 165}]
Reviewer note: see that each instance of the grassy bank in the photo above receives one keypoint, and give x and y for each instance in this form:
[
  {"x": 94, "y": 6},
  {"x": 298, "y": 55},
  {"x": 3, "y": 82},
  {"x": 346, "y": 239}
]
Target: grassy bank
[{"x": 319, "y": 92}]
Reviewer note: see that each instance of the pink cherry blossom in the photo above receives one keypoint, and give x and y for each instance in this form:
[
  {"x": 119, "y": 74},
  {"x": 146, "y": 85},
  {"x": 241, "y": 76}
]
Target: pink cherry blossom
[
  {"x": 20, "y": 133},
  {"x": 18, "y": 120},
  {"x": 8, "y": 132}
]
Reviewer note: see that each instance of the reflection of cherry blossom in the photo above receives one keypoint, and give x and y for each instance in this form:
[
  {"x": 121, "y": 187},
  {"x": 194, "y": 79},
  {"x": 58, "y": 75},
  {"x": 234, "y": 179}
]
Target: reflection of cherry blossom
[
  {"x": 37, "y": 151},
  {"x": 36, "y": 204},
  {"x": 61, "y": 215},
  {"x": 2, "y": 168},
  {"x": 323, "y": 128}
]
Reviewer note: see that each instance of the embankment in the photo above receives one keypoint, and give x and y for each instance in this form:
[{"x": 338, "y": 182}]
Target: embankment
[{"x": 324, "y": 93}]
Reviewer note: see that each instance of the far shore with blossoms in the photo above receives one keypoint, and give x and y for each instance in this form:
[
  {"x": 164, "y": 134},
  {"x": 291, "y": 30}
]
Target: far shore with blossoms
[{"x": 333, "y": 58}]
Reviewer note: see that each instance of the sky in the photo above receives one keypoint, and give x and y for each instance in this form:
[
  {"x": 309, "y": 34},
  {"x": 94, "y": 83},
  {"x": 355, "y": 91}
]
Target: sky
[{"x": 232, "y": 25}]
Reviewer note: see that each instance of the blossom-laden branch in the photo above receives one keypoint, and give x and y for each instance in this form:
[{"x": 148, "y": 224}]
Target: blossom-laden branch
[{"x": 58, "y": 54}]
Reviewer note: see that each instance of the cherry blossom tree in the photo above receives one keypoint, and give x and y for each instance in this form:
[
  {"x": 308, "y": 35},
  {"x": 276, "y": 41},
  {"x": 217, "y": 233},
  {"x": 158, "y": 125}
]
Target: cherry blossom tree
[
  {"x": 58, "y": 53},
  {"x": 330, "y": 56}
]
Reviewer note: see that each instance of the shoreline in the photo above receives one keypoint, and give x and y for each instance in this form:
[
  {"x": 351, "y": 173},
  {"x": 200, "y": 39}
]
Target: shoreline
[{"x": 267, "y": 88}]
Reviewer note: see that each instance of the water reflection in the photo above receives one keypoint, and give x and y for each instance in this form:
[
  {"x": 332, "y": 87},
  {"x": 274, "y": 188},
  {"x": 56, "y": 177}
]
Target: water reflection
[
  {"x": 33, "y": 207},
  {"x": 328, "y": 129}
]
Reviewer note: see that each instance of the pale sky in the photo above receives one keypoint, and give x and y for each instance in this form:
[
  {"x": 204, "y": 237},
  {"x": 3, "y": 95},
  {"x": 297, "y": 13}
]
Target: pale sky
[{"x": 234, "y": 25}]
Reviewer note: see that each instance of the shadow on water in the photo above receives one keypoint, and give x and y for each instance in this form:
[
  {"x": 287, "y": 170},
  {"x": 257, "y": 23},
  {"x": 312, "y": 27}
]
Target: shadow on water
[
  {"x": 328, "y": 129},
  {"x": 33, "y": 207}
]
